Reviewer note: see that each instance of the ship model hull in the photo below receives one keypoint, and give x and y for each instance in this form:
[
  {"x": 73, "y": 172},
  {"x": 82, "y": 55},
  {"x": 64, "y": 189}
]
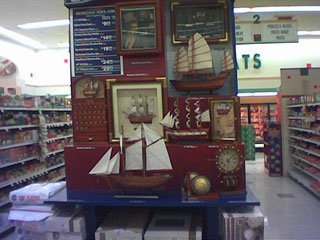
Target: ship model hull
[
  {"x": 140, "y": 119},
  {"x": 197, "y": 134},
  {"x": 137, "y": 182},
  {"x": 211, "y": 83}
]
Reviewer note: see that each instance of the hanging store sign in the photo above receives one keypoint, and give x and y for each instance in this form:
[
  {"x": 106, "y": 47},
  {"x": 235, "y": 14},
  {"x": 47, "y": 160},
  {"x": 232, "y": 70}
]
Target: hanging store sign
[
  {"x": 76, "y": 3},
  {"x": 93, "y": 38},
  {"x": 265, "y": 28}
]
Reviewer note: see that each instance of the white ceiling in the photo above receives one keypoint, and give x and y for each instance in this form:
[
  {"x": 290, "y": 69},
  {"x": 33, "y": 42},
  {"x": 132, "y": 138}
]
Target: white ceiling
[{"x": 15, "y": 12}]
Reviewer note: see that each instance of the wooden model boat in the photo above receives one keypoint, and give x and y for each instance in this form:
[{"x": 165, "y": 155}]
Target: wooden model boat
[{"x": 197, "y": 68}]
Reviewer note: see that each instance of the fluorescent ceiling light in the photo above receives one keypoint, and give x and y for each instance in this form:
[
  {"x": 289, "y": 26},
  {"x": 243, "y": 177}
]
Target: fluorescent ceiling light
[
  {"x": 257, "y": 94},
  {"x": 21, "y": 39},
  {"x": 309, "y": 33},
  {"x": 46, "y": 24},
  {"x": 63, "y": 45},
  {"x": 279, "y": 9}
]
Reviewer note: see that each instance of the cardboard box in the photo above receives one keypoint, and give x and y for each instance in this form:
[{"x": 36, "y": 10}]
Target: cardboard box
[
  {"x": 66, "y": 236},
  {"x": 174, "y": 225},
  {"x": 242, "y": 224},
  {"x": 66, "y": 220},
  {"x": 123, "y": 224}
]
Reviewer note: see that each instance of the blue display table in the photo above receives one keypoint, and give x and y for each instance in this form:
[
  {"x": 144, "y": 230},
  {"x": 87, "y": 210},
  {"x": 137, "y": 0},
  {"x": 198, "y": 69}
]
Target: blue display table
[{"x": 93, "y": 200}]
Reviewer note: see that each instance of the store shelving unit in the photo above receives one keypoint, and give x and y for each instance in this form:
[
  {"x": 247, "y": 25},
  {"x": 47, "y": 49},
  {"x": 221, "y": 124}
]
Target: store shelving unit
[
  {"x": 27, "y": 167},
  {"x": 303, "y": 114}
]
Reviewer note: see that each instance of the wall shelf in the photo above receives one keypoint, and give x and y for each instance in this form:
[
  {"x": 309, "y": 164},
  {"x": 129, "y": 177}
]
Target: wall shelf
[
  {"x": 306, "y": 161},
  {"x": 18, "y": 145},
  {"x": 306, "y": 140},
  {"x": 19, "y": 161},
  {"x": 303, "y": 180},
  {"x": 6, "y": 128},
  {"x": 305, "y": 150}
]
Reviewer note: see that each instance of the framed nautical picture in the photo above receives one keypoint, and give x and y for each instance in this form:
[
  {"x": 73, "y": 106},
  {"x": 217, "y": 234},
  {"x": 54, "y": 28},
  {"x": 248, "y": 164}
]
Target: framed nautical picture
[
  {"x": 208, "y": 19},
  {"x": 134, "y": 103},
  {"x": 223, "y": 115},
  {"x": 138, "y": 27}
]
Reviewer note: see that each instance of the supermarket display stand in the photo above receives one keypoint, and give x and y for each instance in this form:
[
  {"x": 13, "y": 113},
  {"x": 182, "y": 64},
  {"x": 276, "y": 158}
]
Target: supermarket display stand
[{"x": 94, "y": 199}]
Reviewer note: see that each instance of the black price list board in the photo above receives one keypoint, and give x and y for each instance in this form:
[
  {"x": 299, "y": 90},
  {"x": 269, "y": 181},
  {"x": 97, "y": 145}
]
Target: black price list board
[{"x": 94, "y": 47}]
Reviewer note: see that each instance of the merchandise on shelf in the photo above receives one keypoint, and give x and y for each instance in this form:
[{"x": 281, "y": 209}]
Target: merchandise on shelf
[
  {"x": 59, "y": 144},
  {"x": 57, "y": 117},
  {"x": 54, "y": 102},
  {"x": 19, "y": 153},
  {"x": 18, "y": 136},
  {"x": 17, "y": 101},
  {"x": 9, "y": 118},
  {"x": 59, "y": 132},
  {"x": 273, "y": 150},
  {"x": 248, "y": 138}
]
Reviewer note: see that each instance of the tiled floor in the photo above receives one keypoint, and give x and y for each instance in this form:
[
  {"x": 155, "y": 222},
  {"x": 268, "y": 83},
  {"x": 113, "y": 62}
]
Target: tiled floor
[{"x": 292, "y": 213}]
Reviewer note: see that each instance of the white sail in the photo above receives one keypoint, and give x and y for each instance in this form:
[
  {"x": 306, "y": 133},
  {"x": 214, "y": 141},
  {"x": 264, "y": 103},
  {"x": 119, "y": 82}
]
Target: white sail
[
  {"x": 151, "y": 106},
  {"x": 158, "y": 157},
  {"x": 114, "y": 164},
  {"x": 181, "y": 61},
  {"x": 150, "y": 135},
  {"x": 205, "y": 116},
  {"x": 136, "y": 134},
  {"x": 134, "y": 156},
  {"x": 168, "y": 121},
  {"x": 134, "y": 109},
  {"x": 102, "y": 166},
  {"x": 141, "y": 110},
  {"x": 227, "y": 61},
  {"x": 199, "y": 55}
]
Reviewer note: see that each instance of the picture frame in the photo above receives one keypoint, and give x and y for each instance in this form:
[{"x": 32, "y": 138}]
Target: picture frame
[
  {"x": 188, "y": 18},
  {"x": 138, "y": 27},
  {"x": 224, "y": 119},
  {"x": 133, "y": 102}
]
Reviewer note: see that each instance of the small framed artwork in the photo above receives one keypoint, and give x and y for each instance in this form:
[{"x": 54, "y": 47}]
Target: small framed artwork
[
  {"x": 224, "y": 120},
  {"x": 208, "y": 19},
  {"x": 133, "y": 103},
  {"x": 138, "y": 27}
]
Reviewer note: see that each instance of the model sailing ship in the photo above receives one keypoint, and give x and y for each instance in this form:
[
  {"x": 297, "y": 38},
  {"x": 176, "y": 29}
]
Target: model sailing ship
[
  {"x": 197, "y": 67},
  {"x": 141, "y": 110},
  {"x": 91, "y": 88},
  {"x": 145, "y": 150},
  {"x": 171, "y": 123}
]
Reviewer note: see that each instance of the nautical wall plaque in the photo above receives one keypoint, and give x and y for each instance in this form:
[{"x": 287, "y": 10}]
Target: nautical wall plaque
[
  {"x": 94, "y": 47},
  {"x": 265, "y": 28}
]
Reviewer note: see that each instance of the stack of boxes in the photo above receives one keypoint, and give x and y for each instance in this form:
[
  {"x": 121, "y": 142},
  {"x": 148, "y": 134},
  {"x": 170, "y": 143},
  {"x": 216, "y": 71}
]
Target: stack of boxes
[{"x": 248, "y": 139}]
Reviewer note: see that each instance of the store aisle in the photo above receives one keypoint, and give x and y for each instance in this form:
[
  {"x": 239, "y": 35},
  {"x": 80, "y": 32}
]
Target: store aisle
[{"x": 292, "y": 212}]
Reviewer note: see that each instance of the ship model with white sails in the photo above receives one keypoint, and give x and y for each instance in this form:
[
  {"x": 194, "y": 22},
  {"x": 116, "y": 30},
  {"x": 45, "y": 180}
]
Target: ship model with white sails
[
  {"x": 201, "y": 119},
  {"x": 196, "y": 67},
  {"x": 142, "y": 163},
  {"x": 141, "y": 110}
]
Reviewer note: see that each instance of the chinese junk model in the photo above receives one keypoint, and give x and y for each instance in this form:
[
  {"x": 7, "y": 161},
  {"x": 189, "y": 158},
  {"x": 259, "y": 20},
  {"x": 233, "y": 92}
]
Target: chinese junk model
[
  {"x": 197, "y": 67},
  {"x": 145, "y": 150},
  {"x": 171, "y": 123}
]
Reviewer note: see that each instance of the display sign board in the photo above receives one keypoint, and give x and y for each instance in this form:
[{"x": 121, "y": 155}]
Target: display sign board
[
  {"x": 265, "y": 28},
  {"x": 76, "y": 3},
  {"x": 93, "y": 39}
]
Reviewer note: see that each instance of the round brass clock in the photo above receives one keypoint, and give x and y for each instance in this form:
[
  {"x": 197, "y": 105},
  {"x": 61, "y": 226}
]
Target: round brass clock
[{"x": 229, "y": 160}]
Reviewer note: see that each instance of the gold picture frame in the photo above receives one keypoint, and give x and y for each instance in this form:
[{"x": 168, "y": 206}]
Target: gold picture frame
[
  {"x": 133, "y": 103},
  {"x": 223, "y": 115}
]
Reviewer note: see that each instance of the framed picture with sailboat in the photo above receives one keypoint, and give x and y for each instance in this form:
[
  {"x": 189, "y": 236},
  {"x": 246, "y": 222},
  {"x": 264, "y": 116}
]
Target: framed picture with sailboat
[
  {"x": 225, "y": 121},
  {"x": 133, "y": 103},
  {"x": 206, "y": 18}
]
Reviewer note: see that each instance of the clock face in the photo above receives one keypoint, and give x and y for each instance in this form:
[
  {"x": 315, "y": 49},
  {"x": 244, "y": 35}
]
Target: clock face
[{"x": 228, "y": 160}]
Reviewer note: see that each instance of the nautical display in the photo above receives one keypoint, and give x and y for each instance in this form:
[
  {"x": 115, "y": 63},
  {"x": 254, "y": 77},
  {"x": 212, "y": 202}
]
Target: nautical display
[
  {"x": 196, "y": 67},
  {"x": 145, "y": 150}
]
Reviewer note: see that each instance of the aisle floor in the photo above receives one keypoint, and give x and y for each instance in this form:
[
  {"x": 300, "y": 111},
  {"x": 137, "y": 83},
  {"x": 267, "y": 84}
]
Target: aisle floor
[{"x": 292, "y": 213}]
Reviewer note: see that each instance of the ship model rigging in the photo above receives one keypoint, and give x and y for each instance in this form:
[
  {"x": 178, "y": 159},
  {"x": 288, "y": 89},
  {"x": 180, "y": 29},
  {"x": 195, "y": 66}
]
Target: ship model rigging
[
  {"x": 172, "y": 126},
  {"x": 141, "y": 110},
  {"x": 196, "y": 66},
  {"x": 144, "y": 150}
]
